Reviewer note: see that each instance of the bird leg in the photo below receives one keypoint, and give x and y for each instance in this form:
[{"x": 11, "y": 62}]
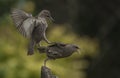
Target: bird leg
[
  {"x": 46, "y": 40},
  {"x": 45, "y": 61}
]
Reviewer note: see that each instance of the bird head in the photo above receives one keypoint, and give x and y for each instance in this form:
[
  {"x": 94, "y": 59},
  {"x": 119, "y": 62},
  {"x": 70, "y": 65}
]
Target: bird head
[
  {"x": 72, "y": 48},
  {"x": 45, "y": 14},
  {"x": 66, "y": 48}
]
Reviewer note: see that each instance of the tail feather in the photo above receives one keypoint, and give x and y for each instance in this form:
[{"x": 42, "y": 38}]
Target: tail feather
[{"x": 31, "y": 48}]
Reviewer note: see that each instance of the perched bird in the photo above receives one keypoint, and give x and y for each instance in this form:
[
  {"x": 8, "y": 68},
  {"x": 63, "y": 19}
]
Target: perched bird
[
  {"x": 31, "y": 27},
  {"x": 58, "y": 50}
]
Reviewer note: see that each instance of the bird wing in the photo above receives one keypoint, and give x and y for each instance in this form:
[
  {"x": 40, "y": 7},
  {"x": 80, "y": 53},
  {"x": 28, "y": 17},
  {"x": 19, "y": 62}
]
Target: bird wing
[
  {"x": 27, "y": 27},
  {"x": 58, "y": 45},
  {"x": 23, "y": 21}
]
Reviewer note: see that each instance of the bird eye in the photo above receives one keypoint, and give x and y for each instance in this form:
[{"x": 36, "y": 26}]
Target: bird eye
[
  {"x": 77, "y": 47},
  {"x": 47, "y": 15}
]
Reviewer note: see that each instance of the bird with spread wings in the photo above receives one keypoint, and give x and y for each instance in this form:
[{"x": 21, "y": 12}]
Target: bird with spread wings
[{"x": 31, "y": 27}]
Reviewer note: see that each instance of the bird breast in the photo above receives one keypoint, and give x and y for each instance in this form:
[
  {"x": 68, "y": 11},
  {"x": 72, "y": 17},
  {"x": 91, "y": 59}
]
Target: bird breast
[
  {"x": 39, "y": 30},
  {"x": 41, "y": 21}
]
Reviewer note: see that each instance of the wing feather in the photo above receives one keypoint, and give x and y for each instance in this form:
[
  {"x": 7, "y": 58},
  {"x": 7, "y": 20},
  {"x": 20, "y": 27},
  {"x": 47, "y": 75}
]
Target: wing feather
[
  {"x": 23, "y": 21},
  {"x": 28, "y": 26},
  {"x": 19, "y": 16}
]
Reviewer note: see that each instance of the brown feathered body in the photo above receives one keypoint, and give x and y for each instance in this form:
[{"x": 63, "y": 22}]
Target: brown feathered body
[{"x": 59, "y": 50}]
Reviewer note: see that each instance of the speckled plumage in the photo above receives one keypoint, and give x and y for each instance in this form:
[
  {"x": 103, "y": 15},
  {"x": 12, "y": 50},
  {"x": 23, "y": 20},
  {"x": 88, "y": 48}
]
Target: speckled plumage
[{"x": 59, "y": 50}]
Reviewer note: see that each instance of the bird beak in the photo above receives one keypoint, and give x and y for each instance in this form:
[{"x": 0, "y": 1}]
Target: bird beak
[
  {"x": 51, "y": 18},
  {"x": 78, "y": 50}
]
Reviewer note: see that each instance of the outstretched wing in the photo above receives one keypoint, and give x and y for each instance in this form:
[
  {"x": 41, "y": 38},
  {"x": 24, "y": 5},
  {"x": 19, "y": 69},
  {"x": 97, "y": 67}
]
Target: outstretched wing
[
  {"x": 19, "y": 16},
  {"x": 23, "y": 21}
]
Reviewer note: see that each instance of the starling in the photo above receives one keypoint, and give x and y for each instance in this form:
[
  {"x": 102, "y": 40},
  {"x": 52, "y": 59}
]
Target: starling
[
  {"x": 31, "y": 27},
  {"x": 58, "y": 50}
]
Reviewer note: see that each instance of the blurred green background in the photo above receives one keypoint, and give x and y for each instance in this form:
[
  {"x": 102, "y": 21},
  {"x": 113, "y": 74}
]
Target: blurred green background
[{"x": 92, "y": 25}]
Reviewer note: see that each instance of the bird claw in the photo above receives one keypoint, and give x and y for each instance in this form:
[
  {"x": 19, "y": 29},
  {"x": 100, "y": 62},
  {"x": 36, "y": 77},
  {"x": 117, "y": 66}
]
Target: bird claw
[
  {"x": 45, "y": 61},
  {"x": 51, "y": 42}
]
